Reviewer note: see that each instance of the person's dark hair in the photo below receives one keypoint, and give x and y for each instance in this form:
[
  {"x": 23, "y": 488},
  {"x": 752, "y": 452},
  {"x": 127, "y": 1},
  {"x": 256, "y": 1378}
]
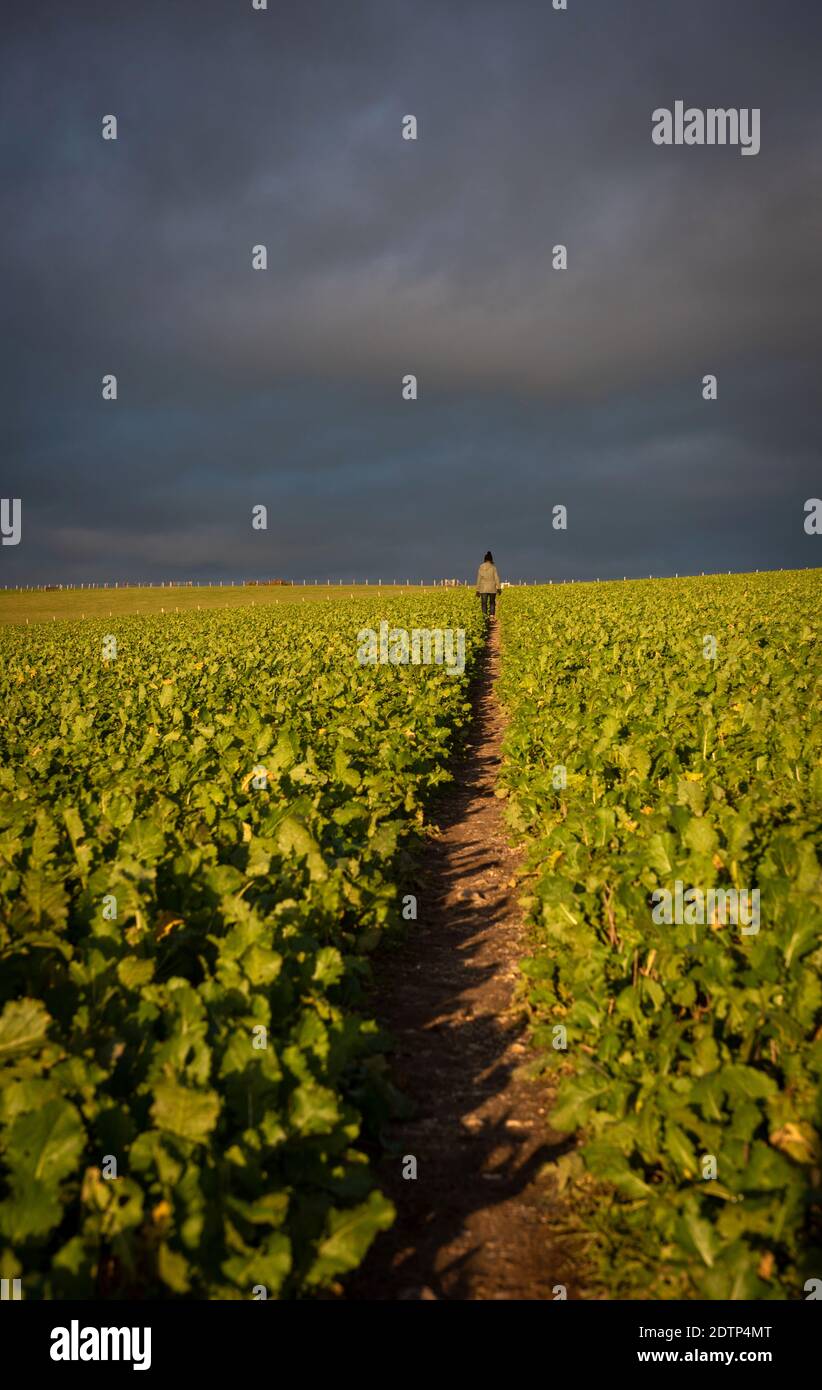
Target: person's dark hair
[{"x": 489, "y": 559}]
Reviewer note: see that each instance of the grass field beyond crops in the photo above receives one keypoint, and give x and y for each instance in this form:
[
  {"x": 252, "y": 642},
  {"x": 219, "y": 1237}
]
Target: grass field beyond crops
[{"x": 37, "y": 606}]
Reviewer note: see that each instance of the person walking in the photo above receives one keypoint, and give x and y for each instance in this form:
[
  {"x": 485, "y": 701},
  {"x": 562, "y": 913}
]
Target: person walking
[{"x": 488, "y": 585}]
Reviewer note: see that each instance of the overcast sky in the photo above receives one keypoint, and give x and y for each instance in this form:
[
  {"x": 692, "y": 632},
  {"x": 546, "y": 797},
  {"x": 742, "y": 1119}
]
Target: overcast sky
[{"x": 282, "y": 387}]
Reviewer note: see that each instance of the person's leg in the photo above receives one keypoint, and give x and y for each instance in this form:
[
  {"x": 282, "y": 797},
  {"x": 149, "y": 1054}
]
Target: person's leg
[
  {"x": 492, "y": 604},
  {"x": 484, "y": 602}
]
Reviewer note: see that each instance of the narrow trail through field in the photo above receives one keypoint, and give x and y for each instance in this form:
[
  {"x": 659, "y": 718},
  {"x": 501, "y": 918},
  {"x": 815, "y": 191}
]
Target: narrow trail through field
[{"x": 477, "y": 1221}]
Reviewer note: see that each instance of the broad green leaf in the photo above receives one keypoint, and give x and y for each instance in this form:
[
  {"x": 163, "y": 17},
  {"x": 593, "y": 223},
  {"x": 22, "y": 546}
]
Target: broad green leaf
[
  {"x": 23, "y": 1027},
  {"x": 185, "y": 1112},
  {"x": 313, "y": 1109},
  {"x": 347, "y": 1238}
]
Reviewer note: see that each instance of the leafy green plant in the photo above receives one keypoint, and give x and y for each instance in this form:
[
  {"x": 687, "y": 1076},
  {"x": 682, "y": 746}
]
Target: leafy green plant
[
  {"x": 633, "y": 761},
  {"x": 200, "y": 841}
]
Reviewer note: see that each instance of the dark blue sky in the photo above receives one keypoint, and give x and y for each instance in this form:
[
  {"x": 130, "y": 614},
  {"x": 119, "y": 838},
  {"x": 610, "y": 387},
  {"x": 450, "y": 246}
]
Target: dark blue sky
[{"x": 388, "y": 257}]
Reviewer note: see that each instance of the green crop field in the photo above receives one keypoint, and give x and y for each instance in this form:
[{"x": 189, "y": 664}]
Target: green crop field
[
  {"x": 668, "y": 734},
  {"x": 208, "y": 822},
  {"x": 202, "y": 834}
]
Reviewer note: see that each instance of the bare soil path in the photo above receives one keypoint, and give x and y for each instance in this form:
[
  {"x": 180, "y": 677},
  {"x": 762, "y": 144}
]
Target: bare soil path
[{"x": 477, "y": 1221}]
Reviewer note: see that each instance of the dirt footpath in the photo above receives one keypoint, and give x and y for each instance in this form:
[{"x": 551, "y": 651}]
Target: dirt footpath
[{"x": 476, "y": 1223}]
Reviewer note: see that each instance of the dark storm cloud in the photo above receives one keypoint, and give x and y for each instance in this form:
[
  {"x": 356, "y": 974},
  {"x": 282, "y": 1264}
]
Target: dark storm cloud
[{"x": 388, "y": 257}]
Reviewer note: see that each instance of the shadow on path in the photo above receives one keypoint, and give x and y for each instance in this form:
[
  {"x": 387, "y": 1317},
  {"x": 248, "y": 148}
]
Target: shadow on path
[{"x": 476, "y": 1223}]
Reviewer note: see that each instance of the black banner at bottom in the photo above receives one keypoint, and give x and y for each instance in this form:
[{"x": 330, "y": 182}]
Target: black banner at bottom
[{"x": 60, "y": 1339}]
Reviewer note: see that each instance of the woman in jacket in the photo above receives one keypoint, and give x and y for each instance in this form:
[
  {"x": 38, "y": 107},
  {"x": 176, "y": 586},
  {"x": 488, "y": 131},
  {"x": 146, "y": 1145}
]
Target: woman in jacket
[{"x": 488, "y": 585}]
